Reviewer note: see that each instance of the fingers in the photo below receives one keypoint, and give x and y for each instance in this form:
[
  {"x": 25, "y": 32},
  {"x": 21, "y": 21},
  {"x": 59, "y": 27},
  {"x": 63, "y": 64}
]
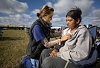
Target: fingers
[
  {"x": 53, "y": 54},
  {"x": 65, "y": 37}
]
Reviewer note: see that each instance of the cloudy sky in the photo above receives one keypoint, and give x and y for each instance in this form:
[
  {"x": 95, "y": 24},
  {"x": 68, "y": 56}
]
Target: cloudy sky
[{"x": 23, "y": 12}]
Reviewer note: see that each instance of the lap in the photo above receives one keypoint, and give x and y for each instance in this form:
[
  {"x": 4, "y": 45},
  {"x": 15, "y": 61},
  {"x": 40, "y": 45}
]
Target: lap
[{"x": 53, "y": 62}]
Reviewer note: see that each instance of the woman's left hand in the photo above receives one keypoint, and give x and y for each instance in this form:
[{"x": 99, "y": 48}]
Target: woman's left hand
[{"x": 54, "y": 53}]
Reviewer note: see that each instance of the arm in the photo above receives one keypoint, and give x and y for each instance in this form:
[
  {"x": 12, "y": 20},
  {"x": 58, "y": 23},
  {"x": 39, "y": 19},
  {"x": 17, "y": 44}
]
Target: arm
[
  {"x": 55, "y": 42},
  {"x": 39, "y": 36},
  {"x": 51, "y": 43}
]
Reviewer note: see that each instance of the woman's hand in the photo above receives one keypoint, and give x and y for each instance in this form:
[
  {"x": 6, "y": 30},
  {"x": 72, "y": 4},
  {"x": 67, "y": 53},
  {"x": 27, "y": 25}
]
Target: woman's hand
[
  {"x": 65, "y": 37},
  {"x": 54, "y": 53}
]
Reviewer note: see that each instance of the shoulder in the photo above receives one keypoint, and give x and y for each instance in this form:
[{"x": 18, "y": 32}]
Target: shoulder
[
  {"x": 37, "y": 27},
  {"x": 82, "y": 29}
]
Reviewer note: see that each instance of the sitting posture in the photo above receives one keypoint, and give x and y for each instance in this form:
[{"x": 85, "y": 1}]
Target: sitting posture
[{"x": 77, "y": 46}]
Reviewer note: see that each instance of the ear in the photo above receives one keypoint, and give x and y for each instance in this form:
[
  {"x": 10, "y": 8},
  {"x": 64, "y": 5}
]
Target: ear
[{"x": 78, "y": 21}]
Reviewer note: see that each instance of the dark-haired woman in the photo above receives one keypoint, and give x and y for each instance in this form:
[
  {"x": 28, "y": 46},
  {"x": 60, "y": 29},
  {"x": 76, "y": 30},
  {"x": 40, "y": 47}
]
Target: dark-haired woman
[{"x": 77, "y": 45}]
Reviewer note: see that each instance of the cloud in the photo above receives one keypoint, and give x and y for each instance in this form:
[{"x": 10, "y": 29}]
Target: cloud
[
  {"x": 96, "y": 19},
  {"x": 12, "y": 6},
  {"x": 58, "y": 21},
  {"x": 87, "y": 20},
  {"x": 96, "y": 13},
  {"x": 17, "y": 19},
  {"x": 63, "y": 6},
  {"x": 35, "y": 11},
  {"x": 85, "y": 6},
  {"x": 49, "y": 4}
]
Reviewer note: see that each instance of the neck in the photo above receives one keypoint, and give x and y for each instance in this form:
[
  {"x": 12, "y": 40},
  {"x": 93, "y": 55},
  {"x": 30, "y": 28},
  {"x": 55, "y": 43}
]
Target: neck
[
  {"x": 44, "y": 19},
  {"x": 72, "y": 30}
]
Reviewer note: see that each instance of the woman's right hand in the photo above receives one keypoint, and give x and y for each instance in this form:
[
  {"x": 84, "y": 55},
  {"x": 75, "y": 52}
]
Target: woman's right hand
[{"x": 65, "y": 37}]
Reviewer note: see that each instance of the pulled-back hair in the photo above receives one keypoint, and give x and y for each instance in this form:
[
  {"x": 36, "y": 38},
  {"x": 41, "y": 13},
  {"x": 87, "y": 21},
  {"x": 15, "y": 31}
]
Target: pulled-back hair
[
  {"x": 75, "y": 13},
  {"x": 44, "y": 11}
]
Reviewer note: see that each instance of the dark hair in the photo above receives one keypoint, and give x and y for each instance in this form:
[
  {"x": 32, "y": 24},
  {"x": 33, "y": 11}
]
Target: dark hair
[
  {"x": 45, "y": 10},
  {"x": 75, "y": 13}
]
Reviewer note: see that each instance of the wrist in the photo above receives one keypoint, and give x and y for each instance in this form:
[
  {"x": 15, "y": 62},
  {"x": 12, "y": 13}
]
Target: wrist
[{"x": 59, "y": 41}]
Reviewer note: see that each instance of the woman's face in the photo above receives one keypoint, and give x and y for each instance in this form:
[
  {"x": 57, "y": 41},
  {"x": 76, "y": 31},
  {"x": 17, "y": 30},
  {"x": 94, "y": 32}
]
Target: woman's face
[
  {"x": 71, "y": 23},
  {"x": 48, "y": 18}
]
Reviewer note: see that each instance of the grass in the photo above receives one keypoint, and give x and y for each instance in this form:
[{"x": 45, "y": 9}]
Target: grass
[{"x": 12, "y": 47}]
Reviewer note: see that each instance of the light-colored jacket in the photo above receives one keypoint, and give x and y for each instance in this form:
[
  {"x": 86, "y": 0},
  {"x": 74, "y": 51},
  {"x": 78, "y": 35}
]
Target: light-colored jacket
[{"x": 78, "y": 46}]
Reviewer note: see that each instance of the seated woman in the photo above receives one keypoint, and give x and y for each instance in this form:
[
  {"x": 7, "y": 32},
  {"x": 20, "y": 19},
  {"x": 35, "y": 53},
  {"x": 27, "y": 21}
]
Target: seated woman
[{"x": 77, "y": 45}]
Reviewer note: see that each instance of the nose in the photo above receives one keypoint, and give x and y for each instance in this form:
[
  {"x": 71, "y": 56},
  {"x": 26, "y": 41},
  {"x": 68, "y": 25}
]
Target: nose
[{"x": 67, "y": 22}]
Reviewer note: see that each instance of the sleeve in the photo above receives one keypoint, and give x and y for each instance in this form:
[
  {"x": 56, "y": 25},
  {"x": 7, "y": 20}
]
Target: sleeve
[
  {"x": 82, "y": 49},
  {"x": 38, "y": 33}
]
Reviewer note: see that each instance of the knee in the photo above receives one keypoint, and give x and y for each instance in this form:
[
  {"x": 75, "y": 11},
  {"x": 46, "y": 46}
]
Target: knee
[{"x": 47, "y": 62}]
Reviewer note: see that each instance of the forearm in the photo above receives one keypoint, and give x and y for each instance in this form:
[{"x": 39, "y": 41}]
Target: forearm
[{"x": 48, "y": 44}]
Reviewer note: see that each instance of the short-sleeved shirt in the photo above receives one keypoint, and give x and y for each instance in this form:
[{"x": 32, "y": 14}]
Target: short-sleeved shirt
[{"x": 38, "y": 33}]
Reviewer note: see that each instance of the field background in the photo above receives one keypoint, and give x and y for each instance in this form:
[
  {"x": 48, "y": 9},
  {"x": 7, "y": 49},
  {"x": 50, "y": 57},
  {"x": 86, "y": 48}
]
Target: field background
[{"x": 13, "y": 45}]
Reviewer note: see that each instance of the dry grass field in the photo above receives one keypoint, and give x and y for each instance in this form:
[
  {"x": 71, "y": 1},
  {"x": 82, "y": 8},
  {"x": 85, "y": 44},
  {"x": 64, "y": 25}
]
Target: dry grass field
[{"x": 13, "y": 45}]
